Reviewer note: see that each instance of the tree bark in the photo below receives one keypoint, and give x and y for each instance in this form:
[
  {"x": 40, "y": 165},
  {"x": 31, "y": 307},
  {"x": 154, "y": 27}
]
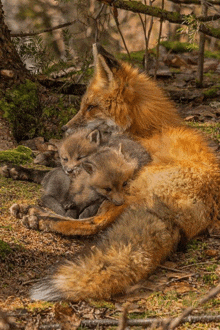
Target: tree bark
[{"x": 12, "y": 69}]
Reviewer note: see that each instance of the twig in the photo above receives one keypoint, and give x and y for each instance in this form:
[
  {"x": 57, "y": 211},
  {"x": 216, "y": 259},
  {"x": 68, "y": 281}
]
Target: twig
[
  {"x": 211, "y": 294},
  {"x": 158, "y": 44},
  {"x": 149, "y": 321},
  {"x": 122, "y": 323},
  {"x": 96, "y": 23},
  {"x": 115, "y": 16},
  {"x": 176, "y": 279},
  {"x": 201, "y": 49},
  {"x": 137, "y": 322},
  {"x": 30, "y": 34},
  {"x": 172, "y": 269},
  {"x": 215, "y": 236},
  {"x": 31, "y": 281}
]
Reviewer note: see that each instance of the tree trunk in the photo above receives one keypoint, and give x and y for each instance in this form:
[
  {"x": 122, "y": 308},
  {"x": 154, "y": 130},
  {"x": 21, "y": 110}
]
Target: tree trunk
[{"x": 12, "y": 70}]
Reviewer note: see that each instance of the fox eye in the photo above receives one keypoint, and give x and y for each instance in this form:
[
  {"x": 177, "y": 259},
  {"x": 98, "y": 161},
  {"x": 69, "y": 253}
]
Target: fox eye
[
  {"x": 65, "y": 159},
  {"x": 108, "y": 189},
  {"x": 125, "y": 184},
  {"x": 90, "y": 107}
]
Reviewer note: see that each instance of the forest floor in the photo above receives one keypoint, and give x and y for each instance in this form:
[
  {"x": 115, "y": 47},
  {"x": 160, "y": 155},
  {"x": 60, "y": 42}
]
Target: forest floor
[{"x": 27, "y": 255}]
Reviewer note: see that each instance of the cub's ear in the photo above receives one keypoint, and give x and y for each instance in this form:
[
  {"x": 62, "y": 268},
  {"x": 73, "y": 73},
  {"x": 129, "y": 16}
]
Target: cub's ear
[
  {"x": 132, "y": 161},
  {"x": 104, "y": 63},
  {"x": 88, "y": 167},
  {"x": 95, "y": 137}
]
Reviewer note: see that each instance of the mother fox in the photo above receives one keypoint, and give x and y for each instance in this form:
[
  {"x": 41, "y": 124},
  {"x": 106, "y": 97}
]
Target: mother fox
[{"x": 173, "y": 198}]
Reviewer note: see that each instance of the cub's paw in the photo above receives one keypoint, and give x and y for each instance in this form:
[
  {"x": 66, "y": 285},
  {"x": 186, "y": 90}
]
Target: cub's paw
[{"x": 18, "y": 210}]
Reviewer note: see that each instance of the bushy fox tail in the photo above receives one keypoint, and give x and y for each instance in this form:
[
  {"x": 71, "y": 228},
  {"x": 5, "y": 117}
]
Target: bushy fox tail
[{"x": 130, "y": 250}]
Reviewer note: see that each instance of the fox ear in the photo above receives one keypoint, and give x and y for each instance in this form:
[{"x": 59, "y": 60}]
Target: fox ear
[
  {"x": 132, "y": 161},
  {"x": 95, "y": 137},
  {"x": 104, "y": 63},
  {"x": 89, "y": 167}
]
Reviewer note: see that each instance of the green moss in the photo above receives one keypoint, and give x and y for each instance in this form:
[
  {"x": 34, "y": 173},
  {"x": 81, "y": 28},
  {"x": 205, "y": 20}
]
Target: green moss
[
  {"x": 135, "y": 57},
  {"x": 21, "y": 107},
  {"x": 102, "y": 304},
  {"x": 4, "y": 249},
  {"x": 19, "y": 155},
  {"x": 210, "y": 54},
  {"x": 177, "y": 46},
  {"x": 211, "y": 92},
  {"x": 210, "y": 278}
]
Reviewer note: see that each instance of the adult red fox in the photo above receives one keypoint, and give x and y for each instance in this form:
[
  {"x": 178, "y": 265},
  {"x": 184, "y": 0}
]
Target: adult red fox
[{"x": 176, "y": 195}]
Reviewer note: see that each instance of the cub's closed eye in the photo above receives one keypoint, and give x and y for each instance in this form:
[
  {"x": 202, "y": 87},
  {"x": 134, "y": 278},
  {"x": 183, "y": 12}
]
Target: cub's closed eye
[
  {"x": 125, "y": 184},
  {"x": 65, "y": 159},
  {"x": 108, "y": 189},
  {"x": 90, "y": 107}
]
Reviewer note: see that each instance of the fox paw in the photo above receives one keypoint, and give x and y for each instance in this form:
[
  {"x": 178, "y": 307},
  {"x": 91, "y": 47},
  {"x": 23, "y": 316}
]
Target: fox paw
[
  {"x": 31, "y": 222},
  {"x": 35, "y": 223},
  {"x": 18, "y": 210},
  {"x": 9, "y": 171},
  {"x": 14, "y": 172}
]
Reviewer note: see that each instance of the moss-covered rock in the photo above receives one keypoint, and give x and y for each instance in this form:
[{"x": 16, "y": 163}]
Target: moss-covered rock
[{"x": 19, "y": 155}]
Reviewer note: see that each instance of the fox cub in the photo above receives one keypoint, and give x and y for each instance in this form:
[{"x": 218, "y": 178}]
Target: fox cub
[{"x": 103, "y": 175}]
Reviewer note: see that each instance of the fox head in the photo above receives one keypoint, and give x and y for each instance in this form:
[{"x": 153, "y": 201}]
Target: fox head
[
  {"x": 109, "y": 174},
  {"x": 121, "y": 93},
  {"x": 76, "y": 147}
]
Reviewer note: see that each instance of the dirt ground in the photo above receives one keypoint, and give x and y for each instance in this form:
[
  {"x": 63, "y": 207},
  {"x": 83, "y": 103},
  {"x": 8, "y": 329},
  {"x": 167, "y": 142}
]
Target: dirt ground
[{"x": 27, "y": 255}]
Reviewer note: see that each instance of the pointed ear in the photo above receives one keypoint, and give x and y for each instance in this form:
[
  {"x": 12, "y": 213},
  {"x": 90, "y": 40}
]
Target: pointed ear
[
  {"x": 88, "y": 167},
  {"x": 95, "y": 137},
  {"x": 104, "y": 63}
]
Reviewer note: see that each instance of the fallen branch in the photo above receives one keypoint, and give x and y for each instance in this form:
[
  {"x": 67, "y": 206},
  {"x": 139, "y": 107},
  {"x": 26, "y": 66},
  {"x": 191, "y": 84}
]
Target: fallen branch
[
  {"x": 150, "y": 321},
  {"x": 31, "y": 34},
  {"x": 63, "y": 87},
  {"x": 172, "y": 17},
  {"x": 195, "y": 2}
]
